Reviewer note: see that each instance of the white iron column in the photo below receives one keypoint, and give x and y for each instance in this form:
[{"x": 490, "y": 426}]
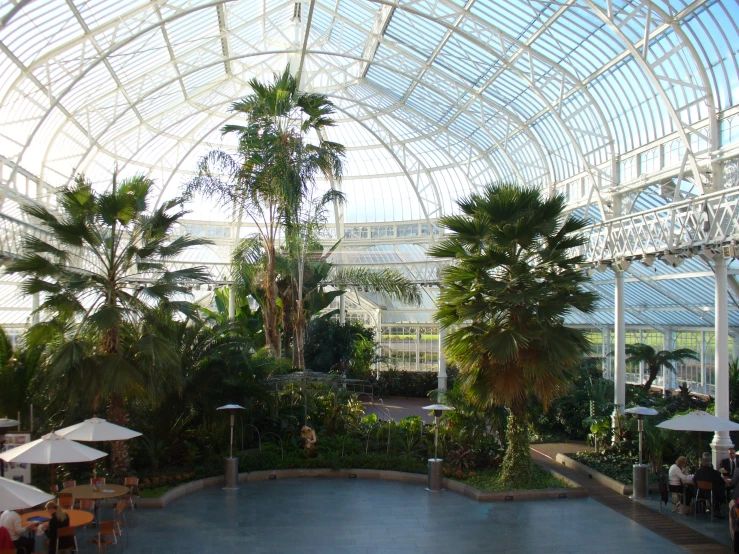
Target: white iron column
[
  {"x": 668, "y": 343},
  {"x": 703, "y": 362},
  {"x": 607, "y": 353},
  {"x": 641, "y": 364},
  {"x": 721, "y": 440},
  {"x": 34, "y": 306},
  {"x": 442, "y": 383},
  {"x": 620, "y": 348},
  {"x": 378, "y": 340},
  {"x": 342, "y": 310},
  {"x": 231, "y": 302}
]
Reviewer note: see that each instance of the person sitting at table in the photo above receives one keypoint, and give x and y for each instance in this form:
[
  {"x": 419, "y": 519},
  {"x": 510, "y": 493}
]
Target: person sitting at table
[
  {"x": 678, "y": 478},
  {"x": 58, "y": 519},
  {"x": 706, "y": 473},
  {"x": 12, "y": 522}
]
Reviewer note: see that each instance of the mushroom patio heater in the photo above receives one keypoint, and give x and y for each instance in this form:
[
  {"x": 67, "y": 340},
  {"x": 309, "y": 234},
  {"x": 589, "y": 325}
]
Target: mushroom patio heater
[
  {"x": 435, "y": 464},
  {"x": 232, "y": 464},
  {"x": 641, "y": 481}
]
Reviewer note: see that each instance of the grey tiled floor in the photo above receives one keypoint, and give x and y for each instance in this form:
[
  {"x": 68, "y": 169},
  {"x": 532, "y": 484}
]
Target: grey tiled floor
[{"x": 353, "y": 516}]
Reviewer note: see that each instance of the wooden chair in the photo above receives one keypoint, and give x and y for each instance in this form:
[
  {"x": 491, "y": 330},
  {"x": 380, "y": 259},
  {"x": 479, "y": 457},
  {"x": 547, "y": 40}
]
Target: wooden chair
[
  {"x": 133, "y": 490},
  {"x": 66, "y": 501},
  {"x": 68, "y": 484},
  {"x": 64, "y": 532},
  {"x": 119, "y": 516},
  {"x": 107, "y": 535},
  {"x": 704, "y": 488}
]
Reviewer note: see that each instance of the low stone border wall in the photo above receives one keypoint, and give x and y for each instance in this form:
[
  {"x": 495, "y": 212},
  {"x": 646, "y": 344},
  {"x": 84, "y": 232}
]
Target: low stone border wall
[
  {"x": 455, "y": 486},
  {"x": 609, "y": 482}
]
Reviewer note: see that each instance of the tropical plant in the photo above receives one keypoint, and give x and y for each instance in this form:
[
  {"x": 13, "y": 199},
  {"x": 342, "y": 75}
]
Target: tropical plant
[
  {"x": 281, "y": 151},
  {"x": 17, "y": 369},
  {"x": 100, "y": 266},
  {"x": 322, "y": 282},
  {"x": 654, "y": 360},
  {"x": 503, "y": 299}
]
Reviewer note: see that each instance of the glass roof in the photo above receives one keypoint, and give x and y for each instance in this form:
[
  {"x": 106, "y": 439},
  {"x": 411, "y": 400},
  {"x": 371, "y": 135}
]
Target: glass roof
[{"x": 621, "y": 105}]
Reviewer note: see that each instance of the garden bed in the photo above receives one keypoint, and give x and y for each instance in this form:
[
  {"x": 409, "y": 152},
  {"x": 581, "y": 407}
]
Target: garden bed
[
  {"x": 565, "y": 488},
  {"x": 615, "y": 465},
  {"x": 490, "y": 480}
]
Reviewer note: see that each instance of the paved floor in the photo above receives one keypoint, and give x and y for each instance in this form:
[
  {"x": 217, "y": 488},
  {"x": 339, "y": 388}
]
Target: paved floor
[{"x": 354, "y": 516}]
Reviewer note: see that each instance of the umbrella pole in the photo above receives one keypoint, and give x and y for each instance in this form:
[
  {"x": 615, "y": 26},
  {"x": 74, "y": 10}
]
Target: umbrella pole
[{"x": 52, "y": 477}]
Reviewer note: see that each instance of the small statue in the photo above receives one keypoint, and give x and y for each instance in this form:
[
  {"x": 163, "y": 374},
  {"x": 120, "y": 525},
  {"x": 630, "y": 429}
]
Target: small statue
[{"x": 308, "y": 435}]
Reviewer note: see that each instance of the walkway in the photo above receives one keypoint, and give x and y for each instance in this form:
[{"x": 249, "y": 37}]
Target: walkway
[
  {"x": 325, "y": 516},
  {"x": 661, "y": 524}
]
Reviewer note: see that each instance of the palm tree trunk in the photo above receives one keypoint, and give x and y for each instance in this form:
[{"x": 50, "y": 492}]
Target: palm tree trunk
[
  {"x": 271, "y": 335},
  {"x": 119, "y": 457},
  {"x": 653, "y": 372},
  {"x": 517, "y": 460}
]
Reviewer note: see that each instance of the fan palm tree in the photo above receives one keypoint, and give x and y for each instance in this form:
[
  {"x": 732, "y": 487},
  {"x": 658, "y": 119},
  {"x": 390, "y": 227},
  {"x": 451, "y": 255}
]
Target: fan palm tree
[
  {"x": 281, "y": 152},
  {"x": 101, "y": 267},
  {"x": 654, "y": 360},
  {"x": 504, "y": 298}
]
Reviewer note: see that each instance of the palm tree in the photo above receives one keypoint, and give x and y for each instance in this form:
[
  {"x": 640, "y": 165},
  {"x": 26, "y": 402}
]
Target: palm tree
[
  {"x": 281, "y": 151},
  {"x": 654, "y": 360},
  {"x": 322, "y": 282},
  {"x": 514, "y": 277},
  {"x": 100, "y": 266}
]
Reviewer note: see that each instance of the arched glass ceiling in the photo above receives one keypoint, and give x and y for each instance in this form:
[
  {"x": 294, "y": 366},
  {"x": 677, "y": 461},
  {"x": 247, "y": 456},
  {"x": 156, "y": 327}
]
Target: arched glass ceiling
[{"x": 434, "y": 97}]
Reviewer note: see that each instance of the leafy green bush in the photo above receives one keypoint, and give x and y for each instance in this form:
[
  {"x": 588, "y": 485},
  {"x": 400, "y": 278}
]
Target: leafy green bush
[
  {"x": 411, "y": 384},
  {"x": 261, "y": 461},
  {"x": 614, "y": 463}
]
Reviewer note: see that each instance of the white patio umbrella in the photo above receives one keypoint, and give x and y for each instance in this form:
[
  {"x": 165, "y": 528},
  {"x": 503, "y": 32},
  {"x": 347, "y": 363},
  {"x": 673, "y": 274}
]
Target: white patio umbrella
[
  {"x": 15, "y": 495},
  {"x": 699, "y": 421},
  {"x": 96, "y": 430},
  {"x": 52, "y": 449}
]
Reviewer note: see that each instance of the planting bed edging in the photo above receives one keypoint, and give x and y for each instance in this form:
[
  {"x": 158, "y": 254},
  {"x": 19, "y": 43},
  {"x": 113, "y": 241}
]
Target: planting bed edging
[
  {"x": 609, "y": 482},
  {"x": 455, "y": 486}
]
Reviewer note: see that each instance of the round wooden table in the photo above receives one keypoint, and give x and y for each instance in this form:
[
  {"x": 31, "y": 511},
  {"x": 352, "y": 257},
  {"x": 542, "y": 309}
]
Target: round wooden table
[
  {"x": 106, "y": 491},
  {"x": 77, "y": 518}
]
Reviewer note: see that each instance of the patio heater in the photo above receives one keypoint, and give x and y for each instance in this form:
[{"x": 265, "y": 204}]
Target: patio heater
[
  {"x": 232, "y": 464},
  {"x": 641, "y": 473},
  {"x": 435, "y": 464},
  {"x": 5, "y": 423}
]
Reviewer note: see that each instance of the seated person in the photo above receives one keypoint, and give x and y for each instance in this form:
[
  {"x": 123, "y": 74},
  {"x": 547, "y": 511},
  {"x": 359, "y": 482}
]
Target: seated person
[
  {"x": 58, "y": 519},
  {"x": 12, "y": 522},
  {"x": 706, "y": 473},
  {"x": 678, "y": 479}
]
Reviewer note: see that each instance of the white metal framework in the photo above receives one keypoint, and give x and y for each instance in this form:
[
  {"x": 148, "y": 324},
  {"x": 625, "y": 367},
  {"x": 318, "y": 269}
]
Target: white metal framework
[{"x": 630, "y": 108}]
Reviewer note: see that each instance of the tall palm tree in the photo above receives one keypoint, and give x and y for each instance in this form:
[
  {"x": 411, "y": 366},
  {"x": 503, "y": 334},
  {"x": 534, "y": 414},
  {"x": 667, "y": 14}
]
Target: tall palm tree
[
  {"x": 101, "y": 267},
  {"x": 654, "y": 360},
  {"x": 281, "y": 152},
  {"x": 504, "y": 298}
]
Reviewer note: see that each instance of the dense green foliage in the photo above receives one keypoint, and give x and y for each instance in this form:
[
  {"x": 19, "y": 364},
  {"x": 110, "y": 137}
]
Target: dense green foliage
[{"x": 344, "y": 349}]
